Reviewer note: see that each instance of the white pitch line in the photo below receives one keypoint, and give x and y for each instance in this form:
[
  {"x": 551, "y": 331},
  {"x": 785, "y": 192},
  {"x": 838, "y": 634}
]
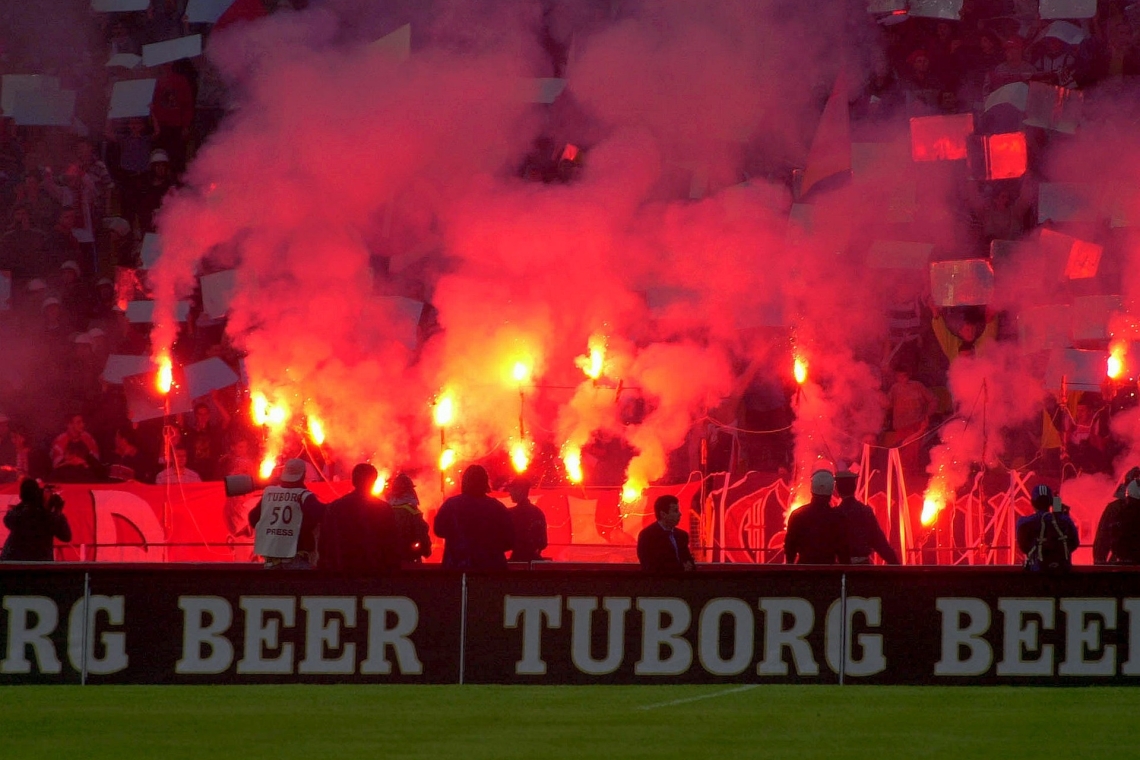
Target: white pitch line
[{"x": 685, "y": 701}]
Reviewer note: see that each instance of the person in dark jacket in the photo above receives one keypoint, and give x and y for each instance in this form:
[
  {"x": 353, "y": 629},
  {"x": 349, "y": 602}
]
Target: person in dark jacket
[
  {"x": 1118, "y": 533},
  {"x": 864, "y": 534},
  {"x": 476, "y": 529},
  {"x": 413, "y": 543},
  {"x": 662, "y": 547},
  {"x": 529, "y": 523},
  {"x": 358, "y": 531},
  {"x": 1047, "y": 537},
  {"x": 816, "y": 533},
  {"x": 33, "y": 523}
]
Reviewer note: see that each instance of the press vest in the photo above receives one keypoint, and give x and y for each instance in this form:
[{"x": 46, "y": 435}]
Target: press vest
[{"x": 279, "y": 526}]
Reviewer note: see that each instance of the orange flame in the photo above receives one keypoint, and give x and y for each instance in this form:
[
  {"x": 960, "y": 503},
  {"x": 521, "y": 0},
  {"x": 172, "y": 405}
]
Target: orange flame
[
  {"x": 631, "y": 491},
  {"x": 593, "y": 363},
  {"x": 520, "y": 457},
  {"x": 1115, "y": 365},
  {"x": 165, "y": 378},
  {"x": 381, "y": 483},
  {"x": 316, "y": 431},
  {"x": 933, "y": 502},
  {"x": 800, "y": 371},
  {"x": 572, "y": 459},
  {"x": 268, "y": 465},
  {"x": 446, "y": 459},
  {"x": 444, "y": 412}
]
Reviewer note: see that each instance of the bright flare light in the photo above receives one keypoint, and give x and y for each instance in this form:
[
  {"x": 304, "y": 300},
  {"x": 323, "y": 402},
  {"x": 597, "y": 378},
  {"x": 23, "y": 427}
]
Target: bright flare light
[
  {"x": 520, "y": 458},
  {"x": 447, "y": 459},
  {"x": 933, "y": 502},
  {"x": 444, "y": 411},
  {"x": 630, "y": 492},
  {"x": 800, "y": 371},
  {"x": 521, "y": 372},
  {"x": 1115, "y": 368},
  {"x": 572, "y": 459},
  {"x": 316, "y": 431},
  {"x": 268, "y": 465},
  {"x": 381, "y": 483},
  {"x": 165, "y": 378},
  {"x": 259, "y": 407},
  {"x": 594, "y": 362}
]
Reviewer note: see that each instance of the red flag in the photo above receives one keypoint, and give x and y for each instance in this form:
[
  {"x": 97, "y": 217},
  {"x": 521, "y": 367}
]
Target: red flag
[{"x": 241, "y": 10}]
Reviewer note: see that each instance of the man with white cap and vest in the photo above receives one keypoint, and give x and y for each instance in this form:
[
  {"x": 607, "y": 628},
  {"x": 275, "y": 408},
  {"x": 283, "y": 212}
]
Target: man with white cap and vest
[
  {"x": 286, "y": 520},
  {"x": 817, "y": 534}
]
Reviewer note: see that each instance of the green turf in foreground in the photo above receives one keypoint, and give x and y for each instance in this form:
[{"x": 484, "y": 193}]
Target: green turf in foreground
[{"x": 538, "y": 723}]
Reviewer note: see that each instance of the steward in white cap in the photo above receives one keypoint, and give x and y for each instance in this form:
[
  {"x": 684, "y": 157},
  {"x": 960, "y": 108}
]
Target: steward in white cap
[
  {"x": 817, "y": 534},
  {"x": 285, "y": 521}
]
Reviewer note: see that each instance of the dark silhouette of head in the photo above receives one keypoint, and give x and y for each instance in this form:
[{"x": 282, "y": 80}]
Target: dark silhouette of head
[
  {"x": 475, "y": 481},
  {"x": 845, "y": 483},
  {"x": 364, "y": 477}
]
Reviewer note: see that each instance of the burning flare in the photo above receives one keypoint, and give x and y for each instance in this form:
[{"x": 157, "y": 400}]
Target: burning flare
[
  {"x": 447, "y": 459},
  {"x": 316, "y": 431},
  {"x": 933, "y": 502},
  {"x": 593, "y": 363},
  {"x": 800, "y": 371},
  {"x": 444, "y": 412},
  {"x": 381, "y": 482},
  {"x": 165, "y": 378},
  {"x": 1115, "y": 366},
  {"x": 521, "y": 372},
  {"x": 572, "y": 459},
  {"x": 520, "y": 457},
  {"x": 268, "y": 465},
  {"x": 631, "y": 492}
]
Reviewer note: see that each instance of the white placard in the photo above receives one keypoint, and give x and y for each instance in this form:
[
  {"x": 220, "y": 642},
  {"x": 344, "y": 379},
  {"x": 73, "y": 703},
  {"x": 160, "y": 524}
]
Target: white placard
[
  {"x": 142, "y": 312},
  {"x": 945, "y": 9},
  {"x": 1076, "y": 370},
  {"x": 206, "y": 11},
  {"x": 1067, "y": 9},
  {"x": 151, "y": 249},
  {"x": 159, "y": 53},
  {"x": 11, "y": 84},
  {"x": 1015, "y": 94},
  {"x": 213, "y": 374},
  {"x": 44, "y": 108},
  {"x": 119, "y": 6},
  {"x": 123, "y": 365},
  {"x": 1066, "y": 202},
  {"x": 541, "y": 90},
  {"x": 1070, "y": 34},
  {"x": 131, "y": 98},
  {"x": 398, "y": 44},
  {"x": 124, "y": 61},
  {"x": 964, "y": 282},
  {"x": 1092, "y": 316},
  {"x": 218, "y": 293},
  {"x": 1045, "y": 327}
]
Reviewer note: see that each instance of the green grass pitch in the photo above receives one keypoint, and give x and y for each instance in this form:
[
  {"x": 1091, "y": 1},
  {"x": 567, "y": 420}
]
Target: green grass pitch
[{"x": 538, "y": 723}]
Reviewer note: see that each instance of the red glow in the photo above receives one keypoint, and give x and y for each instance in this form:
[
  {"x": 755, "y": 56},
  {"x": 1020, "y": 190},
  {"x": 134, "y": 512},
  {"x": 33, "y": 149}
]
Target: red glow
[
  {"x": 1006, "y": 156},
  {"x": 940, "y": 138}
]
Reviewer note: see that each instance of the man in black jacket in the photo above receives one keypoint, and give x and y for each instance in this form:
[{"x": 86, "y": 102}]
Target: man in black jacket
[
  {"x": 476, "y": 529},
  {"x": 529, "y": 523},
  {"x": 33, "y": 523},
  {"x": 662, "y": 547},
  {"x": 358, "y": 531},
  {"x": 816, "y": 533},
  {"x": 864, "y": 534}
]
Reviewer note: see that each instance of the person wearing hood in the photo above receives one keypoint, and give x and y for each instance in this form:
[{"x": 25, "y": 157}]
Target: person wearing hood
[
  {"x": 817, "y": 534},
  {"x": 1118, "y": 532},
  {"x": 476, "y": 529},
  {"x": 413, "y": 543},
  {"x": 33, "y": 523}
]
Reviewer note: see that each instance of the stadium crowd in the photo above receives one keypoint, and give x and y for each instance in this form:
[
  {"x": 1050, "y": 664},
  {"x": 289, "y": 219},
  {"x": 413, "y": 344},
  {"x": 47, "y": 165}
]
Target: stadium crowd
[{"x": 76, "y": 205}]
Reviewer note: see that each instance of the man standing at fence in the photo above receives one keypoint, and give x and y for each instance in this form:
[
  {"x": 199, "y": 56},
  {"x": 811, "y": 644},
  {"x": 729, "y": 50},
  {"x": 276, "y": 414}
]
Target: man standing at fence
[
  {"x": 816, "y": 533},
  {"x": 864, "y": 534},
  {"x": 1118, "y": 534},
  {"x": 358, "y": 533},
  {"x": 662, "y": 547},
  {"x": 476, "y": 529},
  {"x": 285, "y": 521},
  {"x": 528, "y": 521},
  {"x": 1047, "y": 537}
]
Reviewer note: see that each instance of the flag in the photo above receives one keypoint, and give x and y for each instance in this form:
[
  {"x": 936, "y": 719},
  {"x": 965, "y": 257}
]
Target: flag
[{"x": 830, "y": 152}]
